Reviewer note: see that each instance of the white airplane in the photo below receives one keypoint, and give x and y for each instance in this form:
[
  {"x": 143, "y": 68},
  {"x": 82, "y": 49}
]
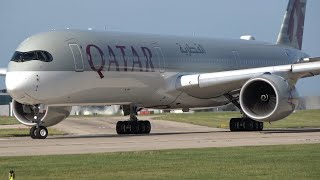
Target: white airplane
[{"x": 52, "y": 71}]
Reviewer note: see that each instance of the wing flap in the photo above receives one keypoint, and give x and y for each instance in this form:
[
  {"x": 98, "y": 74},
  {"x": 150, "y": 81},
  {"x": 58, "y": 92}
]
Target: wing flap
[{"x": 312, "y": 68}]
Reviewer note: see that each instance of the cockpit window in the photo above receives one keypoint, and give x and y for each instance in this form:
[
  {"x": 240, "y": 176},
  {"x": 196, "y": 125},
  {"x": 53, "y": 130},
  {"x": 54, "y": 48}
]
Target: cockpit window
[{"x": 31, "y": 55}]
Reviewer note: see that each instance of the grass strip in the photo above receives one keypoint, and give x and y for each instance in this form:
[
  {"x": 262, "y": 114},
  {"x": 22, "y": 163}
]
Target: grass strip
[
  {"x": 263, "y": 162},
  {"x": 5, "y": 120}
]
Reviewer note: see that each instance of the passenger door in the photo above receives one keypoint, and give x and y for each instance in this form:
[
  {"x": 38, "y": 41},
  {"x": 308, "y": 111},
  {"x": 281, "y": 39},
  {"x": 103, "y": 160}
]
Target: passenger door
[
  {"x": 160, "y": 58},
  {"x": 77, "y": 57}
]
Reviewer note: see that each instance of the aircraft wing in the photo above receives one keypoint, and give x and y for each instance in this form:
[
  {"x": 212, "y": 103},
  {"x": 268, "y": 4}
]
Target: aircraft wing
[
  {"x": 3, "y": 71},
  {"x": 3, "y": 92},
  {"x": 209, "y": 85}
]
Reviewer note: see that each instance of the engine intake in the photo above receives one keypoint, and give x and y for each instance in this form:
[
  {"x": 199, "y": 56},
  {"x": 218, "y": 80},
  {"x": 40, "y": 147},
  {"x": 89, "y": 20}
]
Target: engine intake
[
  {"x": 49, "y": 115},
  {"x": 268, "y": 98}
]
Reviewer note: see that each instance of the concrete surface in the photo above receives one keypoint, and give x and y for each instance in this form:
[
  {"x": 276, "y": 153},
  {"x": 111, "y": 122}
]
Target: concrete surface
[{"x": 97, "y": 134}]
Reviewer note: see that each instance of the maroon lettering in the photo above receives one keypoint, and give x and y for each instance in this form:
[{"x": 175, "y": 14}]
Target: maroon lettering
[
  {"x": 125, "y": 62},
  {"x": 147, "y": 53},
  {"x": 112, "y": 59},
  {"x": 136, "y": 59},
  {"x": 90, "y": 60}
]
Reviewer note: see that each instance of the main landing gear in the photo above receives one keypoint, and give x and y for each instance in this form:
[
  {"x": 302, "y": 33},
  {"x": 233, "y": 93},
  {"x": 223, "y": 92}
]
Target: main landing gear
[
  {"x": 133, "y": 125},
  {"x": 38, "y": 131},
  {"x": 244, "y": 123}
]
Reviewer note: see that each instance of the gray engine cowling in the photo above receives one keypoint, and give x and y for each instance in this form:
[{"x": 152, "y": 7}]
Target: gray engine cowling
[
  {"x": 49, "y": 115},
  {"x": 268, "y": 98}
]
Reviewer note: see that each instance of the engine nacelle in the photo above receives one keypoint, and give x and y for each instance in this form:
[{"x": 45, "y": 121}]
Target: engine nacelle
[
  {"x": 268, "y": 98},
  {"x": 49, "y": 115}
]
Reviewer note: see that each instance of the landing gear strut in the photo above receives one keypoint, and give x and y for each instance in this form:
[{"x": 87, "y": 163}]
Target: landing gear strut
[
  {"x": 38, "y": 131},
  {"x": 133, "y": 125},
  {"x": 244, "y": 123}
]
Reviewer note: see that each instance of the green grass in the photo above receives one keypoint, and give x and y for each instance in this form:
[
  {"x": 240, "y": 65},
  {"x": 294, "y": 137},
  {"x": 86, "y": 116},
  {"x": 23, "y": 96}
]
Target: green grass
[
  {"x": 299, "y": 119},
  {"x": 5, "y": 120},
  {"x": 264, "y": 162},
  {"x": 20, "y": 132}
]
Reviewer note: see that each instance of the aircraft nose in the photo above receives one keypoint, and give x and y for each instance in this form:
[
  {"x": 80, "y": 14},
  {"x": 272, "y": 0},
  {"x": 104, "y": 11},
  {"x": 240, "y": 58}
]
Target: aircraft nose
[{"x": 19, "y": 84}]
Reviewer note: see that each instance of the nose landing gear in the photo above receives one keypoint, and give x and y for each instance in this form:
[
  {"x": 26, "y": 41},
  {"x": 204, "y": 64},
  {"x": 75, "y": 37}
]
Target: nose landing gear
[{"x": 38, "y": 131}]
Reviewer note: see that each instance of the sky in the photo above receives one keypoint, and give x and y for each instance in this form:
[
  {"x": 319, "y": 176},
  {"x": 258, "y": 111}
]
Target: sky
[{"x": 203, "y": 18}]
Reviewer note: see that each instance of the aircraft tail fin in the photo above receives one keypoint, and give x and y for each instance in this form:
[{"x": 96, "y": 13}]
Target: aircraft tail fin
[{"x": 291, "y": 32}]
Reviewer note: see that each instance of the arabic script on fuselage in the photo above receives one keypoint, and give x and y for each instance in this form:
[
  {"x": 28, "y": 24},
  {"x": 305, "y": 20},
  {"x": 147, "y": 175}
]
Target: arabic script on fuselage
[{"x": 191, "y": 49}]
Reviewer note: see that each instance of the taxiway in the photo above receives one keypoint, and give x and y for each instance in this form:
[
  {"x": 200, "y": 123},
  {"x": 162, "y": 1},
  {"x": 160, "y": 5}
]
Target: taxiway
[{"x": 97, "y": 135}]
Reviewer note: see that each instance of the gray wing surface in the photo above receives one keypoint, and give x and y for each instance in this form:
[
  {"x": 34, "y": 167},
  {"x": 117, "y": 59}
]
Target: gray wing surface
[
  {"x": 3, "y": 92},
  {"x": 210, "y": 85},
  {"x": 3, "y": 71}
]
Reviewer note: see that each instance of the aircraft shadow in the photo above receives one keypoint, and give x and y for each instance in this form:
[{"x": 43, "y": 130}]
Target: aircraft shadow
[
  {"x": 130, "y": 135},
  {"x": 267, "y": 131},
  {"x": 291, "y": 130}
]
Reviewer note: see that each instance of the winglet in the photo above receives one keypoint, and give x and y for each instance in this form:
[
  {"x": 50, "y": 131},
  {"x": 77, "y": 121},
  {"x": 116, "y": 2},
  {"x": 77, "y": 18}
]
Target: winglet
[
  {"x": 3, "y": 71},
  {"x": 291, "y": 33}
]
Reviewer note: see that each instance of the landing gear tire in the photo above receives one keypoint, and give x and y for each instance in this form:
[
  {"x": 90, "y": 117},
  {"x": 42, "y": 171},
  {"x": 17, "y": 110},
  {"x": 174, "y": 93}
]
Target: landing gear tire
[
  {"x": 33, "y": 132},
  {"x": 38, "y": 133},
  {"x": 232, "y": 124},
  {"x": 258, "y": 126},
  {"x": 41, "y": 132},
  {"x": 133, "y": 127},
  {"x": 245, "y": 124},
  {"x": 119, "y": 127},
  {"x": 147, "y": 127}
]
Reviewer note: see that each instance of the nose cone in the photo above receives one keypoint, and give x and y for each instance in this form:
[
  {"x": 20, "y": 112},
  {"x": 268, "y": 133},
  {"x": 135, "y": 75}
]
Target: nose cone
[{"x": 19, "y": 84}]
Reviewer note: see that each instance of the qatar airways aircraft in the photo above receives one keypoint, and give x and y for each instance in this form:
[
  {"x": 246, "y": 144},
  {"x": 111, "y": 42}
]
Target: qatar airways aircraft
[{"x": 52, "y": 71}]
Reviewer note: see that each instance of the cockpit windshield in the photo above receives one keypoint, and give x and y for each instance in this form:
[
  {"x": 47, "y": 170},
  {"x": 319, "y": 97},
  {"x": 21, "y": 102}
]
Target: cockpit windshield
[{"x": 31, "y": 55}]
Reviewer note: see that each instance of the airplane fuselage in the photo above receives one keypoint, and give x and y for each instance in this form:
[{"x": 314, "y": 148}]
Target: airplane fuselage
[{"x": 102, "y": 68}]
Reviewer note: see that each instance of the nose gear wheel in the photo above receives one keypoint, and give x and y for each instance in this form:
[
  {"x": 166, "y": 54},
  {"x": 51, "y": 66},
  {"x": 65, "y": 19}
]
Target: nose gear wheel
[{"x": 40, "y": 132}]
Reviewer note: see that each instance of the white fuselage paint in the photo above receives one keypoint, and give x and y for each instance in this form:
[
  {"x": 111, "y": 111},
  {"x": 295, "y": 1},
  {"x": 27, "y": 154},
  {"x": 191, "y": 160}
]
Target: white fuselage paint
[{"x": 85, "y": 88}]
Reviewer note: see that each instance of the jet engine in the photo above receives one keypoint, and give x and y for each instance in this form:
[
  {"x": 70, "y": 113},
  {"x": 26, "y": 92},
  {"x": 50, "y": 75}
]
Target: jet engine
[
  {"x": 268, "y": 98},
  {"x": 48, "y": 115}
]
